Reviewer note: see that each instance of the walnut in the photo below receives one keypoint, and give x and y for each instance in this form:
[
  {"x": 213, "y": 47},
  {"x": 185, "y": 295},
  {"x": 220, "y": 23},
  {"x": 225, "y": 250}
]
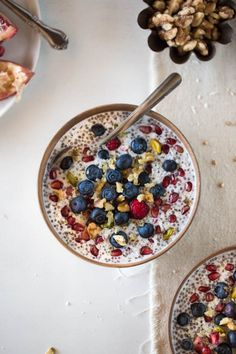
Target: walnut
[
  {"x": 168, "y": 35},
  {"x": 197, "y": 19},
  {"x": 159, "y": 5},
  {"x": 183, "y": 21},
  {"x": 160, "y": 19},
  {"x": 226, "y": 12},
  {"x": 189, "y": 45},
  {"x": 182, "y": 37}
]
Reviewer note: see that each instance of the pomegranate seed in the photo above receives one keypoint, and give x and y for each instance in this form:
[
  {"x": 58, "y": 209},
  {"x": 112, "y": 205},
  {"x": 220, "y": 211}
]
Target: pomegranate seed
[
  {"x": 179, "y": 149},
  {"x": 165, "y": 207},
  {"x": 173, "y": 197},
  {"x": 206, "y": 350},
  {"x": 65, "y": 211},
  {"x": 174, "y": 180},
  {"x": 69, "y": 191},
  {"x": 193, "y": 298},
  {"x": 71, "y": 220},
  {"x": 185, "y": 209},
  {"x": 99, "y": 239},
  {"x": 85, "y": 235},
  {"x": 56, "y": 184},
  {"x": 166, "y": 181},
  {"x": 165, "y": 148},
  {"x": 151, "y": 240},
  {"x": 113, "y": 144},
  {"x": 203, "y": 289},
  {"x": 85, "y": 150},
  {"x": 181, "y": 172},
  {"x": 158, "y": 202},
  {"x": 78, "y": 240},
  {"x": 215, "y": 338},
  {"x": 116, "y": 253},
  {"x": 220, "y": 307},
  {"x": 158, "y": 229},
  {"x": 231, "y": 281},
  {"x": 53, "y": 173},
  {"x": 171, "y": 141},
  {"x": 146, "y": 129},
  {"x": 198, "y": 344},
  {"x": 209, "y": 297},
  {"x": 213, "y": 276},
  {"x": 145, "y": 250},
  {"x": 189, "y": 186},
  {"x": 229, "y": 267},
  {"x": 172, "y": 218},
  {"x": 53, "y": 198},
  {"x": 155, "y": 212},
  {"x": 87, "y": 158},
  {"x": 78, "y": 227},
  {"x": 158, "y": 129},
  {"x": 207, "y": 318},
  {"x": 94, "y": 250},
  {"x": 148, "y": 168},
  {"x": 211, "y": 267}
]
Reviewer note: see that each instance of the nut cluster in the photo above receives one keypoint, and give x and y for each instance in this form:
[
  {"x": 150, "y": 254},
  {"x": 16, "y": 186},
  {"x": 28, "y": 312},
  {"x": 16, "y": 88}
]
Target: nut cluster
[{"x": 188, "y": 25}]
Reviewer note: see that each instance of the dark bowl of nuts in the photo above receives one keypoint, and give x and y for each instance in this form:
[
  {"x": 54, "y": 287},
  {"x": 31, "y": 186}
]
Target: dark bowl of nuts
[{"x": 188, "y": 26}]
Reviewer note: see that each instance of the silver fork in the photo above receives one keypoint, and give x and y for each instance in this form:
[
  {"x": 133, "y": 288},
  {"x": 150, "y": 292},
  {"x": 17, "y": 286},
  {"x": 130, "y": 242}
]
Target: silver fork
[{"x": 56, "y": 38}]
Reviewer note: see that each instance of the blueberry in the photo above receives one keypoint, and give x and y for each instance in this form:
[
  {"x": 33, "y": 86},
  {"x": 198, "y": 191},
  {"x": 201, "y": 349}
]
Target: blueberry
[
  {"x": 143, "y": 178},
  {"x": 124, "y": 161},
  {"x": 221, "y": 290},
  {"x": 157, "y": 191},
  {"x": 198, "y": 309},
  {"x": 119, "y": 239},
  {"x": 103, "y": 154},
  {"x": 187, "y": 344},
  {"x": 86, "y": 187},
  {"x": 113, "y": 176},
  {"x": 234, "y": 275},
  {"x": 93, "y": 172},
  {"x": 78, "y": 204},
  {"x": 230, "y": 310},
  {"x": 98, "y": 216},
  {"x": 183, "y": 319},
  {"x": 98, "y": 129},
  {"x": 232, "y": 338},
  {"x": 218, "y": 318},
  {"x": 121, "y": 218},
  {"x": 169, "y": 165},
  {"x": 109, "y": 193},
  {"x": 66, "y": 163},
  {"x": 223, "y": 348},
  {"x": 138, "y": 145},
  {"x": 146, "y": 230},
  {"x": 130, "y": 191}
]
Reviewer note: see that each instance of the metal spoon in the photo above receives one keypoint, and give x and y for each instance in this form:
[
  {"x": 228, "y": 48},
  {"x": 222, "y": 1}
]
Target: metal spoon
[
  {"x": 56, "y": 38},
  {"x": 167, "y": 86}
]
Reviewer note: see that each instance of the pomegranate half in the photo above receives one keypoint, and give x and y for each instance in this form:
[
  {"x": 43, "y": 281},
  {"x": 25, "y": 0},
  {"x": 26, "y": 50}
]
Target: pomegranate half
[
  {"x": 13, "y": 78},
  {"x": 7, "y": 29}
]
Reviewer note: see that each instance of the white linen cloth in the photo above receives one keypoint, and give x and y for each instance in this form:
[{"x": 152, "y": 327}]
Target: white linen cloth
[{"x": 204, "y": 108}]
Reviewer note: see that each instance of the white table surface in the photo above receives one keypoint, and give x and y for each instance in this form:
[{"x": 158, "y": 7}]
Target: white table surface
[{"x": 48, "y": 296}]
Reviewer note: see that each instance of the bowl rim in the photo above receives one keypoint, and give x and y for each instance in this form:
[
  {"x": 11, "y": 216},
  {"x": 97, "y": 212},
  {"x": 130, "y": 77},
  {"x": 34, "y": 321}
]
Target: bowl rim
[
  {"x": 214, "y": 254},
  {"x": 102, "y": 109}
]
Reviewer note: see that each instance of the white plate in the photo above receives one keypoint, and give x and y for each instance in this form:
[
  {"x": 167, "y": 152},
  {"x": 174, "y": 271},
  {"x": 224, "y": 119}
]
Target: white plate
[{"x": 24, "y": 47}]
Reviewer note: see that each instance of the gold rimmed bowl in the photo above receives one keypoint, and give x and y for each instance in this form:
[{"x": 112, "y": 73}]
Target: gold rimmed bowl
[
  {"x": 76, "y": 136},
  {"x": 199, "y": 287}
]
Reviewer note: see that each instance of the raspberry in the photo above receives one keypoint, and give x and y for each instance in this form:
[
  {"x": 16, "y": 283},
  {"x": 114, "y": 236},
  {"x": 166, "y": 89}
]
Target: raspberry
[
  {"x": 113, "y": 144},
  {"x": 138, "y": 209}
]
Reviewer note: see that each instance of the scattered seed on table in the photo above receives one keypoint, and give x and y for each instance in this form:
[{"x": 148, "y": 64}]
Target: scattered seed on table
[
  {"x": 230, "y": 123},
  {"x": 51, "y": 351},
  {"x": 205, "y": 142},
  {"x": 221, "y": 184},
  {"x": 213, "y": 162}
]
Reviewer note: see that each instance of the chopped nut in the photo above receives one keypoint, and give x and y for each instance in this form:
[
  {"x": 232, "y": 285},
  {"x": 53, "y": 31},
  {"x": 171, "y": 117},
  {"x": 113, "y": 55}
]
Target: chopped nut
[
  {"x": 233, "y": 294},
  {"x": 226, "y": 12},
  {"x": 99, "y": 186},
  {"x": 197, "y": 19},
  {"x": 159, "y": 5},
  {"x": 141, "y": 197},
  {"x": 190, "y": 45},
  {"x": 99, "y": 203},
  {"x": 123, "y": 207},
  {"x": 225, "y": 321},
  {"x": 119, "y": 187},
  {"x": 160, "y": 19},
  {"x": 109, "y": 206},
  {"x": 231, "y": 326},
  {"x": 210, "y": 313},
  {"x": 132, "y": 238},
  {"x": 121, "y": 198},
  {"x": 93, "y": 230},
  {"x": 149, "y": 197}
]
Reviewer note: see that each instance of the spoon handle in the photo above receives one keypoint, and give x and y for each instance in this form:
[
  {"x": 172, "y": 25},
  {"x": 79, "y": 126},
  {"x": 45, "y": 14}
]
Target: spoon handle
[
  {"x": 168, "y": 85},
  {"x": 56, "y": 38}
]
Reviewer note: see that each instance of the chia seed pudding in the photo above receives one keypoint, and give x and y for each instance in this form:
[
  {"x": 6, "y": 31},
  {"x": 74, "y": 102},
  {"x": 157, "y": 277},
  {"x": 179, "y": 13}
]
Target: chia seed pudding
[
  {"x": 203, "y": 319},
  {"x": 125, "y": 202}
]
